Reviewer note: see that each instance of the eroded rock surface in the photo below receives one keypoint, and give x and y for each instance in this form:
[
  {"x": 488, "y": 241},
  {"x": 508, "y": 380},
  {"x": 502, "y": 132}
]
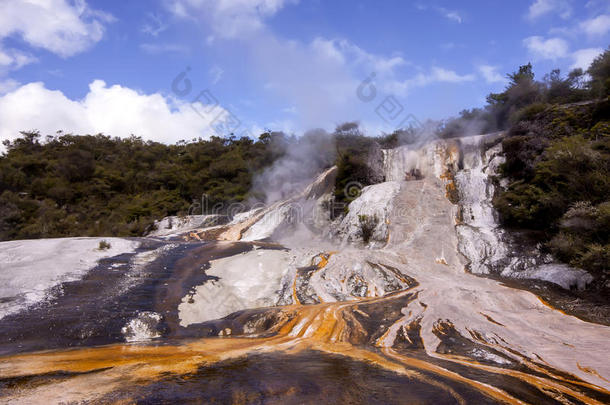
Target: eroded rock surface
[{"x": 404, "y": 305}]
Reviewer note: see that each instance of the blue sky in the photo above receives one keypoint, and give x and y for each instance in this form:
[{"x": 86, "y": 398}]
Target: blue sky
[{"x": 109, "y": 66}]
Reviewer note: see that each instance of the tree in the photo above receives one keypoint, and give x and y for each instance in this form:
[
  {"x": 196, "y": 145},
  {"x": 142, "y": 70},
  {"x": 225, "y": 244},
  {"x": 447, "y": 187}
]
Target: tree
[
  {"x": 521, "y": 91},
  {"x": 558, "y": 90},
  {"x": 600, "y": 75},
  {"x": 348, "y": 128}
]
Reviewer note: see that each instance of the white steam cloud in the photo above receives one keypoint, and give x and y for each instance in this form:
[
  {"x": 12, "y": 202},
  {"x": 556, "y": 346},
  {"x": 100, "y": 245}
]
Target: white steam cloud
[{"x": 112, "y": 110}]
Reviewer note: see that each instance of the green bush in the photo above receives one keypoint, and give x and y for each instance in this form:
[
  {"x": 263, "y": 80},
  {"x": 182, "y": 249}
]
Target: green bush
[
  {"x": 528, "y": 206},
  {"x": 529, "y": 112},
  {"x": 596, "y": 258},
  {"x": 567, "y": 247},
  {"x": 367, "y": 226},
  {"x": 558, "y": 165},
  {"x": 600, "y": 75}
]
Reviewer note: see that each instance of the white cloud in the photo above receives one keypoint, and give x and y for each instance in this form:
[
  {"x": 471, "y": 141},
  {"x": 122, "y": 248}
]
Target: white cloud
[
  {"x": 62, "y": 27},
  {"x": 552, "y": 48},
  {"x": 12, "y": 59},
  {"x": 557, "y": 48},
  {"x": 490, "y": 74},
  {"x": 153, "y": 25},
  {"x": 8, "y": 85},
  {"x": 286, "y": 125},
  {"x": 583, "y": 57},
  {"x": 436, "y": 75},
  {"x": 598, "y": 6},
  {"x": 542, "y": 7},
  {"x": 331, "y": 50},
  {"x": 216, "y": 73},
  {"x": 345, "y": 52},
  {"x": 157, "y": 48},
  {"x": 229, "y": 18},
  {"x": 451, "y": 15},
  {"x": 112, "y": 110},
  {"x": 597, "y": 26},
  {"x": 320, "y": 78},
  {"x": 449, "y": 76}
]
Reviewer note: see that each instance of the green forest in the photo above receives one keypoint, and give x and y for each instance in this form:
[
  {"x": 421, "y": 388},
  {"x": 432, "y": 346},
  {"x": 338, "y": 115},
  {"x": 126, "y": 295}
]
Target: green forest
[
  {"x": 557, "y": 163},
  {"x": 69, "y": 185},
  {"x": 97, "y": 185}
]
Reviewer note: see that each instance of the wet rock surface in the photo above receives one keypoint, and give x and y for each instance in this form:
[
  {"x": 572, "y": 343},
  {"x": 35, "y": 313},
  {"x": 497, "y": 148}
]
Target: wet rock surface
[{"x": 295, "y": 315}]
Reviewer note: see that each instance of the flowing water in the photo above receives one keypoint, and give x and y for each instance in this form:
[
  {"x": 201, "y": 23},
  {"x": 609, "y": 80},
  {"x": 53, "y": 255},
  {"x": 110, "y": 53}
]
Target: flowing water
[{"x": 401, "y": 320}]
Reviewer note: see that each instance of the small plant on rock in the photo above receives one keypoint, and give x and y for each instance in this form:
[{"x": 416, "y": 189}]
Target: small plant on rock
[{"x": 367, "y": 226}]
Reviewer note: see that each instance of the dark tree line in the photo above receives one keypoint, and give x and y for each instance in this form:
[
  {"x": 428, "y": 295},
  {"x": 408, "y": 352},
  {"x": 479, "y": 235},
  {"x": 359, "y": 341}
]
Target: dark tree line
[
  {"x": 525, "y": 96},
  {"x": 97, "y": 185},
  {"x": 70, "y": 185}
]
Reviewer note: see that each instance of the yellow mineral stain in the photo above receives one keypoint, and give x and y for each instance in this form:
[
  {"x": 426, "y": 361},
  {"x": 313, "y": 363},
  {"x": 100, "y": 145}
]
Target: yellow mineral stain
[
  {"x": 532, "y": 365},
  {"x": 491, "y": 391},
  {"x": 547, "y": 304},
  {"x": 441, "y": 260},
  {"x": 490, "y": 319},
  {"x": 590, "y": 371},
  {"x": 295, "y": 298},
  {"x": 320, "y": 327},
  {"x": 542, "y": 383},
  {"x": 324, "y": 257}
]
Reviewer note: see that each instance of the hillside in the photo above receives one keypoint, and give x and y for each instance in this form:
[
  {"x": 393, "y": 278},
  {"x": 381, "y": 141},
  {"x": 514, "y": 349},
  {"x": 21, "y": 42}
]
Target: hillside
[{"x": 554, "y": 184}]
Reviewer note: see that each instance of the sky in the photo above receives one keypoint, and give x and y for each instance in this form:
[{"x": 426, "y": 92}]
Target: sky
[{"x": 171, "y": 70}]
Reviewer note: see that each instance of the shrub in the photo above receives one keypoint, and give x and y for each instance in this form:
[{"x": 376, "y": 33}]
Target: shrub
[
  {"x": 580, "y": 218},
  {"x": 603, "y": 218},
  {"x": 367, "y": 226},
  {"x": 558, "y": 164},
  {"x": 566, "y": 247},
  {"x": 104, "y": 245},
  {"x": 529, "y": 112},
  {"x": 352, "y": 175},
  {"x": 528, "y": 206},
  {"x": 522, "y": 153},
  {"x": 596, "y": 258},
  {"x": 600, "y": 75}
]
